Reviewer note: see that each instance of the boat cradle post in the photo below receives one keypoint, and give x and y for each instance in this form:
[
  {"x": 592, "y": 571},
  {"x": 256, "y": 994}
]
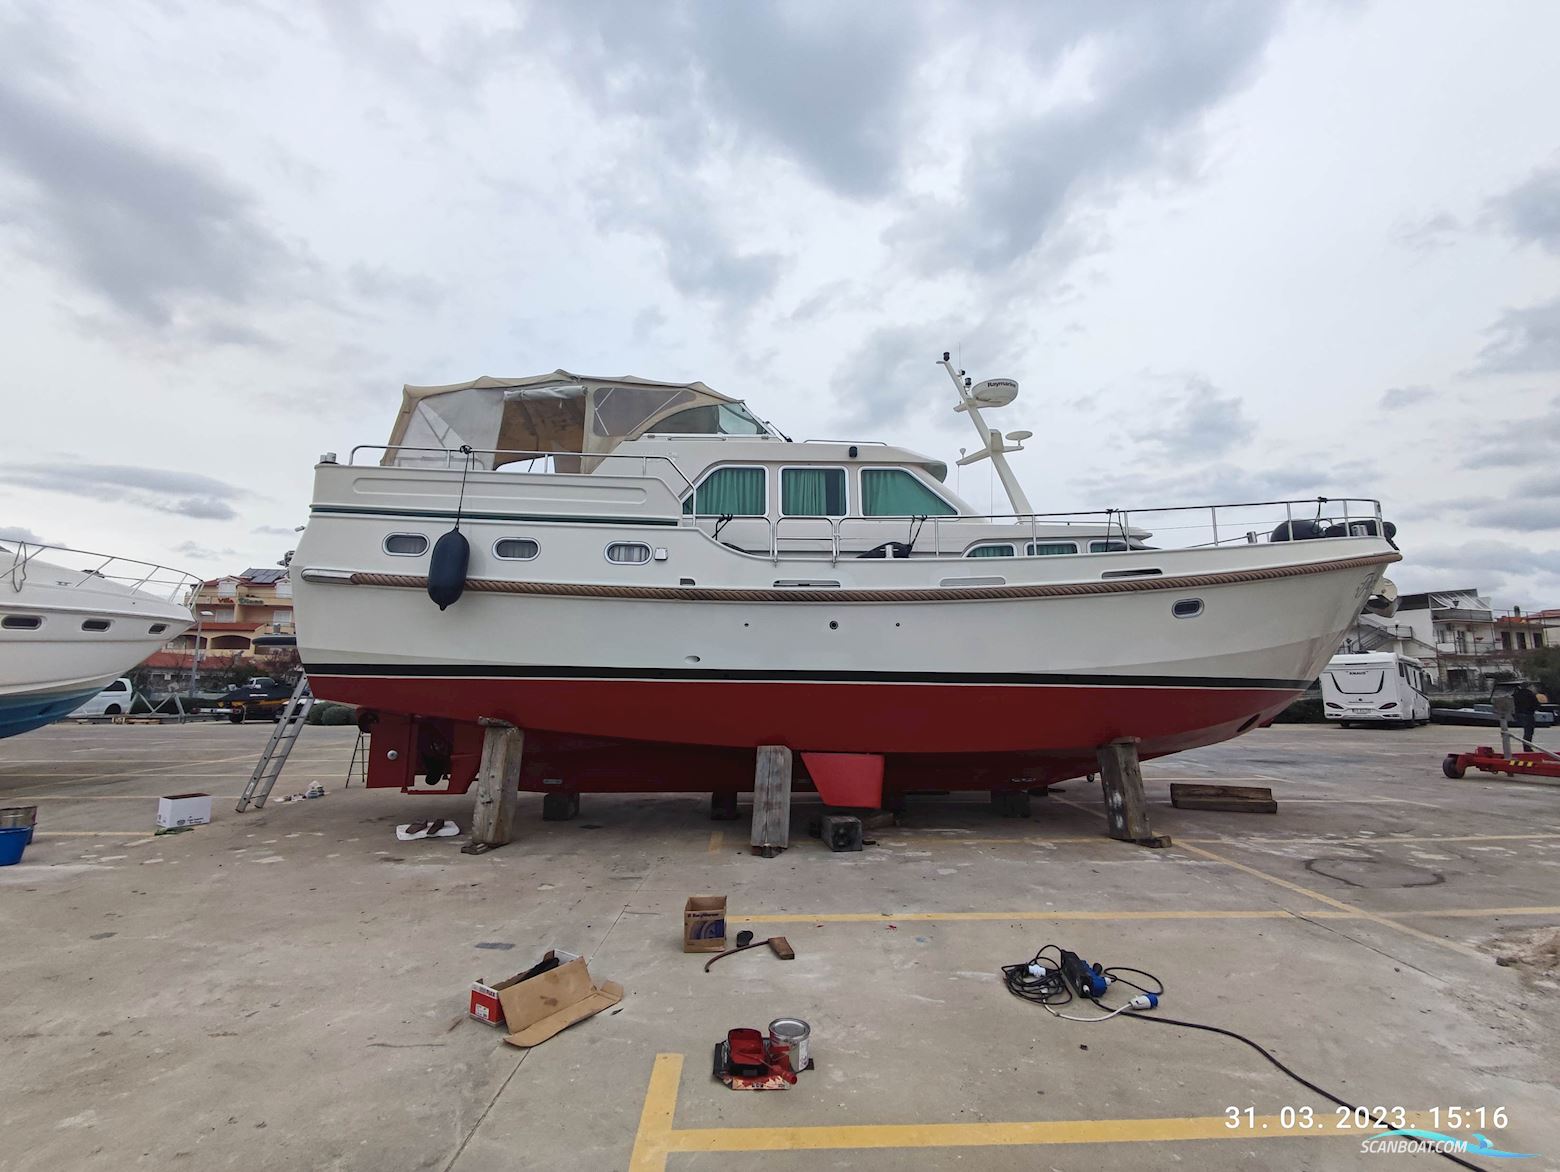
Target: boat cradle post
[
  {"x": 498, "y": 784},
  {"x": 1126, "y": 809},
  {"x": 771, "y": 801}
]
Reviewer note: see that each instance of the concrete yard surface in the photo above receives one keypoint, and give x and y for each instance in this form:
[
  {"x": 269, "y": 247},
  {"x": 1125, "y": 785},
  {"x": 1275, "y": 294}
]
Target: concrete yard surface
[{"x": 286, "y": 988}]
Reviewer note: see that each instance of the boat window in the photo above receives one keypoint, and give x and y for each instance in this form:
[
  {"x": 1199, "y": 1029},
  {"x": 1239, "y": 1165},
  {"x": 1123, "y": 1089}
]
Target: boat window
[
  {"x": 992, "y": 549},
  {"x": 893, "y": 492},
  {"x": 156, "y": 628},
  {"x": 1045, "y": 549},
  {"x": 407, "y": 545},
  {"x": 515, "y": 549},
  {"x": 1187, "y": 608},
  {"x": 711, "y": 419},
  {"x": 21, "y": 622},
  {"x": 95, "y": 624},
  {"x": 1107, "y": 546},
  {"x": 730, "y": 492},
  {"x": 628, "y": 553},
  {"x": 812, "y": 492}
]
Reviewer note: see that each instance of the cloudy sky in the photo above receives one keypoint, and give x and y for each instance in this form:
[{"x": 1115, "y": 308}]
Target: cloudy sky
[{"x": 1232, "y": 250}]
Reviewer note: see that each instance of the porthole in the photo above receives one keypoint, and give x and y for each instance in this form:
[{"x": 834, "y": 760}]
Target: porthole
[
  {"x": 95, "y": 624},
  {"x": 156, "y": 628},
  {"x": 21, "y": 622},
  {"x": 628, "y": 553},
  {"x": 406, "y": 545},
  {"x": 1187, "y": 608},
  {"x": 515, "y": 549}
]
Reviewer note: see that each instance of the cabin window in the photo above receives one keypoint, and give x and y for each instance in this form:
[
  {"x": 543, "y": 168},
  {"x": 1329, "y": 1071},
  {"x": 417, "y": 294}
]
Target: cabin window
[
  {"x": 730, "y": 492},
  {"x": 406, "y": 545},
  {"x": 156, "y": 628},
  {"x": 893, "y": 492},
  {"x": 1108, "y": 546},
  {"x": 992, "y": 549},
  {"x": 96, "y": 624},
  {"x": 711, "y": 419},
  {"x": 515, "y": 549},
  {"x": 1187, "y": 608},
  {"x": 812, "y": 492},
  {"x": 21, "y": 622},
  {"x": 628, "y": 553},
  {"x": 1046, "y": 549}
]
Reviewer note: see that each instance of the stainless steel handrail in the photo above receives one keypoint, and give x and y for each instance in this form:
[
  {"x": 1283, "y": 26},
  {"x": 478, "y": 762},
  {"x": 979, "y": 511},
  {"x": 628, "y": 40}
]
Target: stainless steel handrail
[
  {"x": 151, "y": 574},
  {"x": 450, "y": 455},
  {"x": 1103, "y": 523}
]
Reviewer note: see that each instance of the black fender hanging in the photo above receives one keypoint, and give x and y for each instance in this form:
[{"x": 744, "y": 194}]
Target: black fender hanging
[
  {"x": 447, "y": 568},
  {"x": 451, "y": 553}
]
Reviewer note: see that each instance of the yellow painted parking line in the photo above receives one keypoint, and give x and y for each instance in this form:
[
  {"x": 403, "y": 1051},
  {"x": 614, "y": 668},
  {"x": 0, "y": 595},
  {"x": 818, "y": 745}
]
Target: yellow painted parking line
[
  {"x": 658, "y": 1136},
  {"x": 1342, "y": 913},
  {"x": 717, "y": 839},
  {"x": 1384, "y": 921},
  {"x": 921, "y": 839}
]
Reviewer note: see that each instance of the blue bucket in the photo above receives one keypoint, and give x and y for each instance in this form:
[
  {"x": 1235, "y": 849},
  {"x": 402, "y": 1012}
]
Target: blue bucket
[{"x": 12, "y": 843}]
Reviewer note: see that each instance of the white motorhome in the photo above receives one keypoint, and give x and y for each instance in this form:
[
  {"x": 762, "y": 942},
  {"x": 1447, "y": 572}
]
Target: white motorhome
[{"x": 1376, "y": 687}]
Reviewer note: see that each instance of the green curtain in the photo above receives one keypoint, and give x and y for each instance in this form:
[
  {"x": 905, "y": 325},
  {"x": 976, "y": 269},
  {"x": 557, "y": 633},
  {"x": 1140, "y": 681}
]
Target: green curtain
[
  {"x": 992, "y": 551},
  {"x": 1052, "y": 549},
  {"x": 812, "y": 492},
  {"x": 893, "y": 492},
  {"x": 737, "y": 492}
]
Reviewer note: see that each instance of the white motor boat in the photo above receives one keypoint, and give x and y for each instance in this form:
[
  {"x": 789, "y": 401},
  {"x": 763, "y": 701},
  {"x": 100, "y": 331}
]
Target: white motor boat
[
  {"x": 72, "y": 622},
  {"x": 654, "y": 582}
]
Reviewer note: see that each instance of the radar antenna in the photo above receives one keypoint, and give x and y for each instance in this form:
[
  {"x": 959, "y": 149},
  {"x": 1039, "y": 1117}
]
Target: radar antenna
[{"x": 993, "y": 393}]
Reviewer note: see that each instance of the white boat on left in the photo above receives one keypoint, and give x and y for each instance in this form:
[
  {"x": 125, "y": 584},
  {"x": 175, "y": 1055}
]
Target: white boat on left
[{"x": 72, "y": 621}]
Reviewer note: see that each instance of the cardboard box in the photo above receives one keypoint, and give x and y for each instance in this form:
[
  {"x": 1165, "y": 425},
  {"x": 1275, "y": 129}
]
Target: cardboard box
[
  {"x": 183, "y": 810},
  {"x": 551, "y": 1002},
  {"x": 485, "y": 1006},
  {"x": 704, "y": 924}
]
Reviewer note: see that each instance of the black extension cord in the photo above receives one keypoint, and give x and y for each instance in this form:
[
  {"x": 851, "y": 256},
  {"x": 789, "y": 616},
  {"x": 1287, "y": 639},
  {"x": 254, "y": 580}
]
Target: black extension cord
[
  {"x": 1305, "y": 1082},
  {"x": 1052, "y": 990}
]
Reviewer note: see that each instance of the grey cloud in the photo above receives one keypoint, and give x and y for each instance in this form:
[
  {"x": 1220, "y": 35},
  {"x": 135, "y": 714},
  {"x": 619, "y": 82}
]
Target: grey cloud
[
  {"x": 889, "y": 378},
  {"x": 825, "y": 85},
  {"x": 205, "y": 553},
  {"x": 17, "y": 533},
  {"x": 702, "y": 261},
  {"x": 1395, "y": 398},
  {"x": 1476, "y": 558},
  {"x": 186, "y": 494},
  {"x": 1525, "y": 516},
  {"x": 1531, "y": 210},
  {"x": 1201, "y": 424},
  {"x": 1436, "y": 232},
  {"x": 1298, "y": 479},
  {"x": 1157, "y": 69},
  {"x": 1526, "y": 436},
  {"x": 274, "y": 531},
  {"x": 1524, "y": 341},
  {"x": 378, "y": 283},
  {"x": 141, "y": 226}
]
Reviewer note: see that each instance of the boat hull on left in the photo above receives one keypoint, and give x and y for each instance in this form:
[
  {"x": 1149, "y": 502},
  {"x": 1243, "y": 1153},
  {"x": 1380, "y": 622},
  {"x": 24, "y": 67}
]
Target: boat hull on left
[{"x": 68, "y": 630}]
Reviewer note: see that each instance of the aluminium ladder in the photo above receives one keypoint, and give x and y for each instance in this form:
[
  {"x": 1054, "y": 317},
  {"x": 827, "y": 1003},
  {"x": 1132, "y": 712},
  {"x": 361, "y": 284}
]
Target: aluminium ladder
[{"x": 269, "y": 767}]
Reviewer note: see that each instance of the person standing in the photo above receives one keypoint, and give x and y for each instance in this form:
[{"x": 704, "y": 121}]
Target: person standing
[{"x": 1525, "y": 702}]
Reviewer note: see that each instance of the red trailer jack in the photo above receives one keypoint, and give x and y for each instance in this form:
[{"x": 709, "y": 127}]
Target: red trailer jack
[{"x": 1539, "y": 764}]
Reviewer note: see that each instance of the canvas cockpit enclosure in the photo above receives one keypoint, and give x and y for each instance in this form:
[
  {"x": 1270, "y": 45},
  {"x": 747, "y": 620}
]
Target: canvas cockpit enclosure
[{"x": 510, "y": 420}]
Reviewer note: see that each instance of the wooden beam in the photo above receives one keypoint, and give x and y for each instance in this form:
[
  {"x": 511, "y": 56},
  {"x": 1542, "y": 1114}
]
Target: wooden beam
[
  {"x": 1126, "y": 809},
  {"x": 771, "y": 801},
  {"x": 498, "y": 785},
  {"x": 1237, "y": 799}
]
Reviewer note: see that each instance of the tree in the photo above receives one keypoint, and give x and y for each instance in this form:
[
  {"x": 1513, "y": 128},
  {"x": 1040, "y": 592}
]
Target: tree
[{"x": 1543, "y": 665}]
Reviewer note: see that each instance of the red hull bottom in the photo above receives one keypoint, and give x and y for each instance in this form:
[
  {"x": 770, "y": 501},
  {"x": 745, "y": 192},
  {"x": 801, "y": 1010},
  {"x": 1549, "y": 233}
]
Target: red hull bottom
[{"x": 591, "y": 736}]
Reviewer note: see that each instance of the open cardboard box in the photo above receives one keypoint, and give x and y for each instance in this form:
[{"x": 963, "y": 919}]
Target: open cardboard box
[{"x": 551, "y": 1002}]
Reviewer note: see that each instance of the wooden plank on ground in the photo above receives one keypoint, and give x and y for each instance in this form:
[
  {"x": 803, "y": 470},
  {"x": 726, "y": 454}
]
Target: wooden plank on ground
[{"x": 1237, "y": 799}]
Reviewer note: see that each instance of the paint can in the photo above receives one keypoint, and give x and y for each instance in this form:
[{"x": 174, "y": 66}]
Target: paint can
[{"x": 794, "y": 1034}]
